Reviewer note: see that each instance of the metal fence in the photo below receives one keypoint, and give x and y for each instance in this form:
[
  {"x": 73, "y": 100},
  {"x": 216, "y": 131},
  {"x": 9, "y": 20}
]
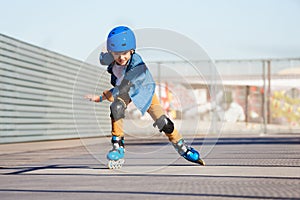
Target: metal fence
[
  {"x": 41, "y": 95},
  {"x": 257, "y": 95}
]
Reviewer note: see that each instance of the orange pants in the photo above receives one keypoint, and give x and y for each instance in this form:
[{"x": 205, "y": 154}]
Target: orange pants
[{"x": 155, "y": 110}]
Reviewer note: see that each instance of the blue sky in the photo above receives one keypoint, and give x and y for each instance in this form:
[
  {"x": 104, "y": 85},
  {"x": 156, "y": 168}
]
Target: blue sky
[{"x": 227, "y": 29}]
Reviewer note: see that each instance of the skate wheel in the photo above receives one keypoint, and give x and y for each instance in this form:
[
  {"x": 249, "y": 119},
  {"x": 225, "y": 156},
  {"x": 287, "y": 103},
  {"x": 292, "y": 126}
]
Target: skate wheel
[{"x": 115, "y": 164}]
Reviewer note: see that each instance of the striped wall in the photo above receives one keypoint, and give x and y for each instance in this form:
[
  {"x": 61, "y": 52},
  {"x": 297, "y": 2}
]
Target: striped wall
[{"x": 41, "y": 95}]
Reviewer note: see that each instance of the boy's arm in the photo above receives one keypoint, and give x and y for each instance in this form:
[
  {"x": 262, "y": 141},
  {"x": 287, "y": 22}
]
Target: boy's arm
[{"x": 105, "y": 57}]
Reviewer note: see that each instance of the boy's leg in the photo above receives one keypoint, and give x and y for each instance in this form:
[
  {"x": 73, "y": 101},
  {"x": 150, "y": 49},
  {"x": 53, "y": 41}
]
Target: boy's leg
[
  {"x": 156, "y": 111},
  {"x": 166, "y": 125},
  {"x": 116, "y": 155},
  {"x": 117, "y": 125},
  {"x": 117, "y": 128}
]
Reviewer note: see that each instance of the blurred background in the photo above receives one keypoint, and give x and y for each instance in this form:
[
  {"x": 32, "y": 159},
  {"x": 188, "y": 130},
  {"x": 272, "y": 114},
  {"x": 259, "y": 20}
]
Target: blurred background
[{"x": 49, "y": 60}]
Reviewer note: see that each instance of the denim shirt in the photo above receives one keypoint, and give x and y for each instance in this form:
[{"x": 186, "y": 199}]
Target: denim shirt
[{"x": 143, "y": 85}]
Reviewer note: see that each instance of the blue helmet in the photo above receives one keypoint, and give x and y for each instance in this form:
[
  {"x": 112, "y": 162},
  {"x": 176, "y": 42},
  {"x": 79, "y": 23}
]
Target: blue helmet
[{"x": 120, "y": 39}]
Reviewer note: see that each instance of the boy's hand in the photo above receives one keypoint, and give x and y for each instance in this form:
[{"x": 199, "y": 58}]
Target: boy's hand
[
  {"x": 124, "y": 88},
  {"x": 91, "y": 97},
  {"x": 104, "y": 50}
]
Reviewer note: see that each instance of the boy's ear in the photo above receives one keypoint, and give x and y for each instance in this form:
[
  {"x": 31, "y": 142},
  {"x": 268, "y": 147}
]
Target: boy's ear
[{"x": 131, "y": 51}]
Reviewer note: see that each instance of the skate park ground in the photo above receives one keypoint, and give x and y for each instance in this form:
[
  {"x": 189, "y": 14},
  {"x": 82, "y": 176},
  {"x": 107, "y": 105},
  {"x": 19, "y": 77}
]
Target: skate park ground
[{"x": 239, "y": 166}]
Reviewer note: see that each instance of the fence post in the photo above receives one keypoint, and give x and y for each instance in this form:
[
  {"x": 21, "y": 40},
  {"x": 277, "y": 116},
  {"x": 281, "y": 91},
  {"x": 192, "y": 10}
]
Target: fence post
[
  {"x": 265, "y": 109},
  {"x": 159, "y": 80},
  {"x": 269, "y": 92},
  {"x": 247, "y": 104}
]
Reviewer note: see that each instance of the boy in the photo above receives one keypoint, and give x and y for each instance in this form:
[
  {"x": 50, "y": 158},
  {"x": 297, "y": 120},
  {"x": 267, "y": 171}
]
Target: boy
[{"x": 132, "y": 81}]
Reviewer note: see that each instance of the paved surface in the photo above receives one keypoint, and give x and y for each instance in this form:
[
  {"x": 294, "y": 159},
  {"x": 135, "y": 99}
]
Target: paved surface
[{"x": 238, "y": 167}]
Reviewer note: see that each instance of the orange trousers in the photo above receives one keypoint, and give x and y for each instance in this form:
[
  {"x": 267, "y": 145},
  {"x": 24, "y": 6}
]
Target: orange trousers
[{"x": 155, "y": 110}]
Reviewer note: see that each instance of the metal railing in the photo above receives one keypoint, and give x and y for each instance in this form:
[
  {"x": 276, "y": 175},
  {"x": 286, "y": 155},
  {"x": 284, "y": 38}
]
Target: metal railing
[{"x": 268, "y": 90}]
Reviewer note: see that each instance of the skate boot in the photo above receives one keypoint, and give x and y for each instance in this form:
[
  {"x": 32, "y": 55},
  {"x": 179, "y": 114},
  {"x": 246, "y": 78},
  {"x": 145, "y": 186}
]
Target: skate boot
[
  {"x": 116, "y": 155},
  {"x": 188, "y": 153}
]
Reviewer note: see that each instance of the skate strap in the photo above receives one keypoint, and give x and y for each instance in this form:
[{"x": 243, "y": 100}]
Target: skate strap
[
  {"x": 181, "y": 147},
  {"x": 117, "y": 140}
]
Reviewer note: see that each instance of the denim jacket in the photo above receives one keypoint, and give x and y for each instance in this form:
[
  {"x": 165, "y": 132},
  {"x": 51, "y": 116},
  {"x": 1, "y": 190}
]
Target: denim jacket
[{"x": 143, "y": 85}]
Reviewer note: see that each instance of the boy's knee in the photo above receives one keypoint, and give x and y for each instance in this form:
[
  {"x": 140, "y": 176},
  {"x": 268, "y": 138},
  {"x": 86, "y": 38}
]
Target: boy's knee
[
  {"x": 117, "y": 109},
  {"x": 164, "y": 124}
]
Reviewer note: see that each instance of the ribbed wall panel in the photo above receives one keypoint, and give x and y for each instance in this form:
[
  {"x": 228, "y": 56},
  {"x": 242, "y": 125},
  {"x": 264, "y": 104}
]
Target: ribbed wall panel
[{"x": 42, "y": 95}]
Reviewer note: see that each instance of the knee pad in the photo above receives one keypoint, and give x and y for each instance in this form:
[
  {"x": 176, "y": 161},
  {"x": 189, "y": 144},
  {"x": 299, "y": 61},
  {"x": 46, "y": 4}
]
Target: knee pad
[
  {"x": 117, "y": 109},
  {"x": 164, "y": 124}
]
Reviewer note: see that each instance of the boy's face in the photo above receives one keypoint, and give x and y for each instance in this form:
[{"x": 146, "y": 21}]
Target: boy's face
[{"x": 122, "y": 57}]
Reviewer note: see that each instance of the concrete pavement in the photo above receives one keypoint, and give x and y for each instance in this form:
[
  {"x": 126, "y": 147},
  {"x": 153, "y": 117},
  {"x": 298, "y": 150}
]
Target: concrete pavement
[{"x": 238, "y": 167}]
